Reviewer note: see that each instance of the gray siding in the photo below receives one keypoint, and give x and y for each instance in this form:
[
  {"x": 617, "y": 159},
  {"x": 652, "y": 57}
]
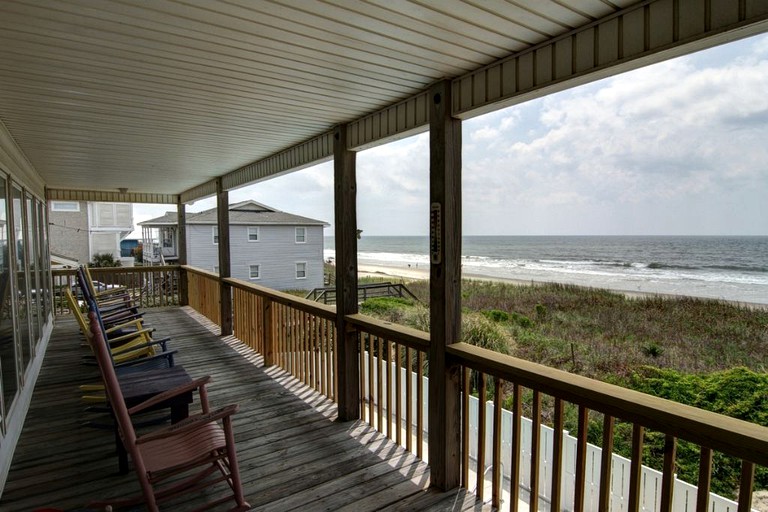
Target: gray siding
[
  {"x": 276, "y": 253},
  {"x": 68, "y": 235}
]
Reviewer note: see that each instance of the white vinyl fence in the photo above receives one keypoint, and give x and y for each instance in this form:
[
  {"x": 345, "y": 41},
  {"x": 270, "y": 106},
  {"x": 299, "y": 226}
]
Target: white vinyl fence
[{"x": 650, "y": 493}]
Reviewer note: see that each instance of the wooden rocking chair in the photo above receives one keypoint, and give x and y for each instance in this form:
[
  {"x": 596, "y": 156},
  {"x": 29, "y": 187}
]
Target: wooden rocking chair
[{"x": 196, "y": 447}]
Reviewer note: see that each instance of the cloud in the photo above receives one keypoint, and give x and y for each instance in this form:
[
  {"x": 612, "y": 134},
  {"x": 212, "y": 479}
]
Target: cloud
[
  {"x": 673, "y": 139},
  {"x": 674, "y": 148}
]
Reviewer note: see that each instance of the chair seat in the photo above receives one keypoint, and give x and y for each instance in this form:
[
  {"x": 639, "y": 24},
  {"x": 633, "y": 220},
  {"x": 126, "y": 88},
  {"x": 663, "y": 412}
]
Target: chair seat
[{"x": 163, "y": 454}]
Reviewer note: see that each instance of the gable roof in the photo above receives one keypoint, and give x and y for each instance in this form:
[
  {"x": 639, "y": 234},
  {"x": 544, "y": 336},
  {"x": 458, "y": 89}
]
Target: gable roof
[{"x": 243, "y": 213}]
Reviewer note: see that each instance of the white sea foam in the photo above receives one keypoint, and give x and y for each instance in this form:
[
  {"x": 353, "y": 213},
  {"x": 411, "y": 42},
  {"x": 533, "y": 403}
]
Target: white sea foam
[{"x": 685, "y": 271}]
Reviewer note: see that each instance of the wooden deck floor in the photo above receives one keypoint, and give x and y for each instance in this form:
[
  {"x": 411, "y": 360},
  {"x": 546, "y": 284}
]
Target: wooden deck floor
[{"x": 292, "y": 453}]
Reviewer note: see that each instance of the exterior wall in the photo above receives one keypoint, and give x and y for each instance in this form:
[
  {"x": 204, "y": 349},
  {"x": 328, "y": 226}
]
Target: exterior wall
[
  {"x": 276, "y": 253},
  {"x": 25, "y": 326},
  {"x": 69, "y": 233},
  {"x": 108, "y": 224}
]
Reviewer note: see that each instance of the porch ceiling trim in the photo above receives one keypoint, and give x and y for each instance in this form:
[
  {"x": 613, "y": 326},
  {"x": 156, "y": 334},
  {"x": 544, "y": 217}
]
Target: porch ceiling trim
[
  {"x": 109, "y": 197},
  {"x": 315, "y": 150},
  {"x": 647, "y": 32}
]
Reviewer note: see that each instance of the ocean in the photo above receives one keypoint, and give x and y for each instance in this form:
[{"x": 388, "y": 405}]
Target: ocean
[{"x": 731, "y": 268}]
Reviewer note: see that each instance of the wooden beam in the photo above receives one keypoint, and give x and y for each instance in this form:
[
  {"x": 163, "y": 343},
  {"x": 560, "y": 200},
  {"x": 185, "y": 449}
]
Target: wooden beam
[
  {"x": 345, "y": 191},
  {"x": 444, "y": 287},
  {"x": 181, "y": 244},
  {"x": 225, "y": 268}
]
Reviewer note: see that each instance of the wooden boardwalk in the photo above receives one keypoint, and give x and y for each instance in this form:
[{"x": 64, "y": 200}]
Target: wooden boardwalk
[{"x": 292, "y": 453}]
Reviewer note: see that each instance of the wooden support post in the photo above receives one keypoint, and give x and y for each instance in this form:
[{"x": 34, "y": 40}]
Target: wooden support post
[
  {"x": 181, "y": 244},
  {"x": 345, "y": 191},
  {"x": 444, "y": 287},
  {"x": 225, "y": 268}
]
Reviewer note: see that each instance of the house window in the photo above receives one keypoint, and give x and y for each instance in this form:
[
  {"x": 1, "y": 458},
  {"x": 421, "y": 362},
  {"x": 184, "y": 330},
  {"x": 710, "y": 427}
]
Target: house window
[
  {"x": 301, "y": 270},
  {"x": 301, "y": 235},
  {"x": 254, "y": 271},
  {"x": 253, "y": 234},
  {"x": 65, "y": 206},
  {"x": 216, "y": 236}
]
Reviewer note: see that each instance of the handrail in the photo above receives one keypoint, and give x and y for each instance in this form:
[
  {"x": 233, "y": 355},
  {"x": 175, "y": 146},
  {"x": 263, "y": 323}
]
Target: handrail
[
  {"x": 732, "y": 436},
  {"x": 412, "y": 338},
  {"x": 200, "y": 271},
  {"x": 155, "y": 285},
  {"x": 308, "y": 306},
  {"x": 115, "y": 270}
]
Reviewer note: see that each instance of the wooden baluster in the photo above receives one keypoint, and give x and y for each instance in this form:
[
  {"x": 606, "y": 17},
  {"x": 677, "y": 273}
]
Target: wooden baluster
[
  {"x": 482, "y": 397},
  {"x": 705, "y": 480},
  {"x": 635, "y": 469},
  {"x": 363, "y": 376},
  {"x": 581, "y": 459},
  {"x": 390, "y": 387},
  {"x": 496, "y": 475},
  {"x": 514, "y": 470},
  {"x": 380, "y": 385},
  {"x": 535, "y": 441},
  {"x": 408, "y": 399},
  {"x": 606, "y": 459},
  {"x": 399, "y": 395},
  {"x": 371, "y": 373},
  {"x": 466, "y": 390},
  {"x": 746, "y": 484},
  {"x": 334, "y": 362},
  {"x": 668, "y": 474},
  {"x": 420, "y": 405},
  {"x": 557, "y": 455}
]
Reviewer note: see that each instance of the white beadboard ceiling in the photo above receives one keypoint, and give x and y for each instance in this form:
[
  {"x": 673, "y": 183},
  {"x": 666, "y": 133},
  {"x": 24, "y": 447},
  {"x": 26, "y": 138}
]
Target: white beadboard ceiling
[{"x": 160, "y": 96}]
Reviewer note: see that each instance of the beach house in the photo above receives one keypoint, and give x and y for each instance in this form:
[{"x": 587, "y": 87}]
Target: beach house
[
  {"x": 170, "y": 102},
  {"x": 268, "y": 247},
  {"x": 81, "y": 229}
]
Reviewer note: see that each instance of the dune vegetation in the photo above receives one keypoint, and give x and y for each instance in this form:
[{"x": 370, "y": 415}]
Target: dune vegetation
[{"x": 706, "y": 353}]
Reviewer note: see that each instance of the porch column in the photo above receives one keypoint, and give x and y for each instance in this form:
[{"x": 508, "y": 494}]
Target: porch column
[
  {"x": 345, "y": 200},
  {"x": 181, "y": 247},
  {"x": 444, "y": 287},
  {"x": 225, "y": 270}
]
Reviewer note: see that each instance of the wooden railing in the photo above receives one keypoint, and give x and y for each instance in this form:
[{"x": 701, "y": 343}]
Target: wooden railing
[
  {"x": 392, "y": 376},
  {"x": 204, "y": 292},
  {"x": 149, "y": 286},
  {"x": 740, "y": 439},
  {"x": 300, "y": 336},
  {"x": 294, "y": 333}
]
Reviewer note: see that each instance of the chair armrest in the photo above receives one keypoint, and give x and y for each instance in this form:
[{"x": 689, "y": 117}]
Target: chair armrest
[
  {"x": 144, "y": 360},
  {"x": 137, "y": 345},
  {"x": 162, "y": 397},
  {"x": 136, "y": 322},
  {"x": 130, "y": 336},
  {"x": 189, "y": 424},
  {"x": 116, "y": 314}
]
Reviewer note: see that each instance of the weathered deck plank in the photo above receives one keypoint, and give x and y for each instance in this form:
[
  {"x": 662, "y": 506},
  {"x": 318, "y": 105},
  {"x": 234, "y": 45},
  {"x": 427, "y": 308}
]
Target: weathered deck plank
[{"x": 292, "y": 453}]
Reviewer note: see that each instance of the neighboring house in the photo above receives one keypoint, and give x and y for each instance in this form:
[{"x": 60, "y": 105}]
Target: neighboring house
[
  {"x": 79, "y": 229},
  {"x": 268, "y": 247}
]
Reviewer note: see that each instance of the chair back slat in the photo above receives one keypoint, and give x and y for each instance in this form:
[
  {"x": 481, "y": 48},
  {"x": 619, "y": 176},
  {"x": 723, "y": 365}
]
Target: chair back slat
[
  {"x": 82, "y": 282},
  {"x": 111, "y": 384},
  {"x": 75, "y": 308}
]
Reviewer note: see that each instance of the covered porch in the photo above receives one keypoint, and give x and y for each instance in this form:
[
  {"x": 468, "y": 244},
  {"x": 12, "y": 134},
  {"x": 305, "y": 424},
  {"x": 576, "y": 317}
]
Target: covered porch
[
  {"x": 293, "y": 454},
  {"x": 173, "y": 102}
]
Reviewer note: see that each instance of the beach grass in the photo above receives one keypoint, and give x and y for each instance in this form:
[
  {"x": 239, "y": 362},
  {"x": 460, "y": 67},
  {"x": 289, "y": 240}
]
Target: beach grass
[
  {"x": 706, "y": 353},
  {"x": 608, "y": 335}
]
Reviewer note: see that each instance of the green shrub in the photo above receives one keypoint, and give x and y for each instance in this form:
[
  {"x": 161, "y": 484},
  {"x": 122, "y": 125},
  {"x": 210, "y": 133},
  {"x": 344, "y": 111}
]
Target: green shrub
[
  {"x": 105, "y": 260},
  {"x": 496, "y": 315},
  {"x": 478, "y": 330}
]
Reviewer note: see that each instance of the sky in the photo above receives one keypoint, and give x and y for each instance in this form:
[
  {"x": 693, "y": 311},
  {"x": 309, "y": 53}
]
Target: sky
[{"x": 677, "y": 148}]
